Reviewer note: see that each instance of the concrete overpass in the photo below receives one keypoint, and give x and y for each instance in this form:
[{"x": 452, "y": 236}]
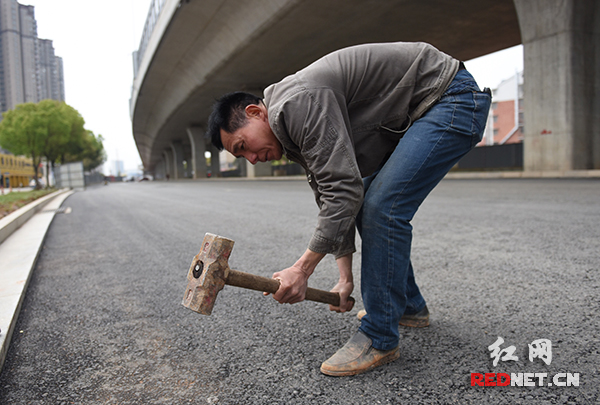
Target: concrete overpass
[{"x": 193, "y": 51}]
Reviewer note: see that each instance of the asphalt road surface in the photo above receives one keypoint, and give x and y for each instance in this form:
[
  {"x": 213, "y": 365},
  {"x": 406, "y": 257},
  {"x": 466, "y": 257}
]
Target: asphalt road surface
[{"x": 102, "y": 322}]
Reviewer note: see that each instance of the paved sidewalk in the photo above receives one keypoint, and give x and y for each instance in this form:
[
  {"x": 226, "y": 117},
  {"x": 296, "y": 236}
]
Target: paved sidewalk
[{"x": 19, "y": 254}]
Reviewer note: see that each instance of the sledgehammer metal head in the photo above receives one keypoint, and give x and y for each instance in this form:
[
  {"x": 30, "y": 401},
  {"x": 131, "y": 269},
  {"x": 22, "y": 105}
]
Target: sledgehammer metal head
[{"x": 207, "y": 274}]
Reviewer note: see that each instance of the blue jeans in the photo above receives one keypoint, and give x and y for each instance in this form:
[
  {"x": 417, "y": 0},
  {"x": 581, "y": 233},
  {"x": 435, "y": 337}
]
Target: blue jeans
[{"x": 393, "y": 194}]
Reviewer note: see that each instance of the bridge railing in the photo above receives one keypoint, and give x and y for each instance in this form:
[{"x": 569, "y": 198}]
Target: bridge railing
[{"x": 153, "y": 13}]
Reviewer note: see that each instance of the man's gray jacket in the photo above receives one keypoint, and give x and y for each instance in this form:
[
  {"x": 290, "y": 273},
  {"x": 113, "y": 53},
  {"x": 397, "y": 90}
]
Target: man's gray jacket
[{"x": 344, "y": 114}]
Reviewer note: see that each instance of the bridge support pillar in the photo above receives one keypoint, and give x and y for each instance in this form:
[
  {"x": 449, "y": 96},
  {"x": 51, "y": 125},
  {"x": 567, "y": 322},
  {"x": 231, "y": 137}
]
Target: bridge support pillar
[
  {"x": 160, "y": 170},
  {"x": 215, "y": 162},
  {"x": 177, "y": 160},
  {"x": 198, "y": 161},
  {"x": 561, "y": 40},
  {"x": 167, "y": 156}
]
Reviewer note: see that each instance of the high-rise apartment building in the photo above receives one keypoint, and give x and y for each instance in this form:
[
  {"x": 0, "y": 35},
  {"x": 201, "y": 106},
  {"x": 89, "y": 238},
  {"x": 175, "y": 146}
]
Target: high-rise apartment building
[
  {"x": 50, "y": 83},
  {"x": 29, "y": 69}
]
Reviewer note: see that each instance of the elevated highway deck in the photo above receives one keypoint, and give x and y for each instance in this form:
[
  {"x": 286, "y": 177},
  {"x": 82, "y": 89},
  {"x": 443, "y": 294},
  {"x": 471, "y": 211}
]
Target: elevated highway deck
[{"x": 198, "y": 50}]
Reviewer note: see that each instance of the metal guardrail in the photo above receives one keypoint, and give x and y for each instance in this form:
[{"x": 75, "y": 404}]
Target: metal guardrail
[{"x": 153, "y": 13}]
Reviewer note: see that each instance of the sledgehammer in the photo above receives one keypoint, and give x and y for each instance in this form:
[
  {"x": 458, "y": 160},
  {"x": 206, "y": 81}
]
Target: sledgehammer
[{"x": 210, "y": 272}]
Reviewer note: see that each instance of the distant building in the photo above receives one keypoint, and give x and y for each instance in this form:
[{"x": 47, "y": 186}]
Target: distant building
[
  {"x": 16, "y": 171},
  {"x": 505, "y": 122},
  {"x": 50, "y": 71},
  {"x": 116, "y": 168},
  {"x": 29, "y": 70}
]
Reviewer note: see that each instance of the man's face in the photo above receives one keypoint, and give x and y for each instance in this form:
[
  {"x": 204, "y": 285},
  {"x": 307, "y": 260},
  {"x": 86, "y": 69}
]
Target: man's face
[{"x": 255, "y": 141}]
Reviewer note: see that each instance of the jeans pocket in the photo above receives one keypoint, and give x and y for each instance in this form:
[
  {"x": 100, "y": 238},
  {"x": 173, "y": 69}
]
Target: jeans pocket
[{"x": 470, "y": 114}]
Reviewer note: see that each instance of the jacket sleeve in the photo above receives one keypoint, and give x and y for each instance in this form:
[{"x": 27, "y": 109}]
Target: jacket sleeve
[{"x": 314, "y": 120}]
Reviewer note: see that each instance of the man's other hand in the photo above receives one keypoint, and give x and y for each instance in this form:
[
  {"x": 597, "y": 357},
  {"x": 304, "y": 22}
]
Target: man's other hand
[
  {"x": 345, "y": 284},
  {"x": 344, "y": 289}
]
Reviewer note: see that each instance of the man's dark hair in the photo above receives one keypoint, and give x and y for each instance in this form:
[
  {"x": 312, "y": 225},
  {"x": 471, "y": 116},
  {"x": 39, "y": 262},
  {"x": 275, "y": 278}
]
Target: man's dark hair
[{"x": 229, "y": 114}]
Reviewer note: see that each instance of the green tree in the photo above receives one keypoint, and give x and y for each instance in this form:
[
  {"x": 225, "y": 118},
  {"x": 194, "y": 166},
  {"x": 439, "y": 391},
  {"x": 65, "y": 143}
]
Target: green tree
[
  {"x": 82, "y": 145},
  {"x": 23, "y": 132},
  {"x": 77, "y": 134},
  {"x": 94, "y": 154},
  {"x": 57, "y": 118},
  {"x": 50, "y": 129},
  {"x": 91, "y": 152}
]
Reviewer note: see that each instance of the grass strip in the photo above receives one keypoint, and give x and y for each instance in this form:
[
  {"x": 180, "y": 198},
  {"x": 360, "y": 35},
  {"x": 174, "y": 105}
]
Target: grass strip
[{"x": 13, "y": 201}]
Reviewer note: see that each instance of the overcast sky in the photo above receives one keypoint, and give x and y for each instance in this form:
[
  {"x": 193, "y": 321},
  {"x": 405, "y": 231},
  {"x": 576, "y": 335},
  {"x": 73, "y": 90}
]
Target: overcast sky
[{"x": 96, "y": 40}]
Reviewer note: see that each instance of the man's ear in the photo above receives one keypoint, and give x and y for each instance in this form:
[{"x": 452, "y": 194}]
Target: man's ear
[{"x": 253, "y": 110}]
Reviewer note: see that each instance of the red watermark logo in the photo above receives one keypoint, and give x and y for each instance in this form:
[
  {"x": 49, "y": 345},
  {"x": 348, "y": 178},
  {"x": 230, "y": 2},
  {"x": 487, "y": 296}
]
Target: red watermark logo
[
  {"x": 538, "y": 349},
  {"x": 524, "y": 379}
]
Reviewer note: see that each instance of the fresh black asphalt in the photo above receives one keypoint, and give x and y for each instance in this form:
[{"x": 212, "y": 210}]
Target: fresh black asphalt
[{"x": 102, "y": 322}]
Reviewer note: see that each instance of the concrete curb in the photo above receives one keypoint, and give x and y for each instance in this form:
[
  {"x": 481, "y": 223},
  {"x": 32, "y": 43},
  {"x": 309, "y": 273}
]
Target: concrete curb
[
  {"x": 19, "y": 251},
  {"x": 14, "y": 220}
]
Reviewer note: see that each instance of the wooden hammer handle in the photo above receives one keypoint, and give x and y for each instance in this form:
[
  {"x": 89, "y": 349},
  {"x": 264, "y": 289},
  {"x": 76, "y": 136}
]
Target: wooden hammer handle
[{"x": 270, "y": 285}]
